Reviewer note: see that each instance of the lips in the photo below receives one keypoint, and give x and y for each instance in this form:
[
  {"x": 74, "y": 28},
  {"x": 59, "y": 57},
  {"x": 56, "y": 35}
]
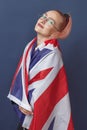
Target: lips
[{"x": 40, "y": 25}]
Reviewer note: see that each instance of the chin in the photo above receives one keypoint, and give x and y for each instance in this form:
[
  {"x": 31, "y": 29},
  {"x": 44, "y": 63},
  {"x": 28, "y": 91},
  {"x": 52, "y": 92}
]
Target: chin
[
  {"x": 41, "y": 32},
  {"x": 38, "y": 30}
]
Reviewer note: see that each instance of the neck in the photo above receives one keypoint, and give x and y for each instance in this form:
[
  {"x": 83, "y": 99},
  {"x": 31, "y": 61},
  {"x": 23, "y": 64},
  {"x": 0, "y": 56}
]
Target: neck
[{"x": 41, "y": 39}]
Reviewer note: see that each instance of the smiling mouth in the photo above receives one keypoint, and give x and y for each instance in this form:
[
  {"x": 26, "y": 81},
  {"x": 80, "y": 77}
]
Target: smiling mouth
[{"x": 40, "y": 25}]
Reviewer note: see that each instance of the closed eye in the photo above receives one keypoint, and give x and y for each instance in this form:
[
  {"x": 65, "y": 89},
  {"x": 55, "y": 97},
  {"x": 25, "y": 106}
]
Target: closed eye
[{"x": 51, "y": 21}]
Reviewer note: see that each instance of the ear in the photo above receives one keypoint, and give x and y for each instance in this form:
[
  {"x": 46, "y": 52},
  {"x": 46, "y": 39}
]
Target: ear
[{"x": 64, "y": 34}]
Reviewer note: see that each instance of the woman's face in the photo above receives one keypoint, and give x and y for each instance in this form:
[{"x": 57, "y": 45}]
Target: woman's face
[{"x": 48, "y": 23}]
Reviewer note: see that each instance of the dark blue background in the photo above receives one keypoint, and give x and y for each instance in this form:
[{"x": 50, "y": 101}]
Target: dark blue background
[{"x": 17, "y": 20}]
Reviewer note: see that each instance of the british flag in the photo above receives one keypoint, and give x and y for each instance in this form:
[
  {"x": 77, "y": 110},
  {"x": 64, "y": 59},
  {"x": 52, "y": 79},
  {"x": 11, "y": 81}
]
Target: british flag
[{"x": 40, "y": 85}]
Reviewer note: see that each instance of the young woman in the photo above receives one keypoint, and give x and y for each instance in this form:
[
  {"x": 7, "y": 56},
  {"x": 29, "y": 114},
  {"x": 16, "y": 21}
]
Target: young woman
[{"x": 39, "y": 89}]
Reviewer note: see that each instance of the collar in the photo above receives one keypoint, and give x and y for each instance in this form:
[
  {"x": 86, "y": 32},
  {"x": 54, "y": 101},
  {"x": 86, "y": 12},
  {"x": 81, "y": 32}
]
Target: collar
[{"x": 54, "y": 42}]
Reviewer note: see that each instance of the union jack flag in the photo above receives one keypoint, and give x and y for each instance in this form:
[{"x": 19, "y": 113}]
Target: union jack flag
[{"x": 40, "y": 85}]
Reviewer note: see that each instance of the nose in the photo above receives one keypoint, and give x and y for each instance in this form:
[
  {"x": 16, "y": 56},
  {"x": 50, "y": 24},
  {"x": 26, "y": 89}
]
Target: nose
[{"x": 44, "y": 21}]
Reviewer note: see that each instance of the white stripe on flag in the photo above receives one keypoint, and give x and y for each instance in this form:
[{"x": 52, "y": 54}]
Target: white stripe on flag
[{"x": 61, "y": 113}]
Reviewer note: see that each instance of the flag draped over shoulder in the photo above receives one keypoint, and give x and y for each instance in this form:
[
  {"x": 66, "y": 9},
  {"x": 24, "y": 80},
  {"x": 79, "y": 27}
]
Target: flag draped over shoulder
[{"x": 40, "y": 85}]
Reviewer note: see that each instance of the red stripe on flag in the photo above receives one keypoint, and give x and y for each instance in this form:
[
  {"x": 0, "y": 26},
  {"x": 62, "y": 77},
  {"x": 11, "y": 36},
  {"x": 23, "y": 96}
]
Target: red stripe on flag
[
  {"x": 47, "y": 101},
  {"x": 41, "y": 75},
  {"x": 26, "y": 76},
  {"x": 71, "y": 126},
  {"x": 12, "y": 85},
  {"x": 52, "y": 41}
]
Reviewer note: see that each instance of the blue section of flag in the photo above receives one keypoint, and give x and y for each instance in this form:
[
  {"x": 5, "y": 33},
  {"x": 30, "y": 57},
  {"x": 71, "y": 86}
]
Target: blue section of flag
[
  {"x": 17, "y": 89},
  {"x": 52, "y": 124},
  {"x": 30, "y": 94},
  {"x": 38, "y": 55}
]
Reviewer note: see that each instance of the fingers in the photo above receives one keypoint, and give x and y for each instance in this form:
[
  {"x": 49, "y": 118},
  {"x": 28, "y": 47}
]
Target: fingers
[{"x": 24, "y": 111}]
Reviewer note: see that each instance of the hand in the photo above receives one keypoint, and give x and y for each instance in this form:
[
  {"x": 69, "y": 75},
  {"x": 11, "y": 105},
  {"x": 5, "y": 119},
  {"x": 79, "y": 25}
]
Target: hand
[{"x": 24, "y": 111}]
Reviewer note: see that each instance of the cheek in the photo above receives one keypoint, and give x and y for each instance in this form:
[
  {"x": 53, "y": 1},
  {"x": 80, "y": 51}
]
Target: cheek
[{"x": 49, "y": 30}]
